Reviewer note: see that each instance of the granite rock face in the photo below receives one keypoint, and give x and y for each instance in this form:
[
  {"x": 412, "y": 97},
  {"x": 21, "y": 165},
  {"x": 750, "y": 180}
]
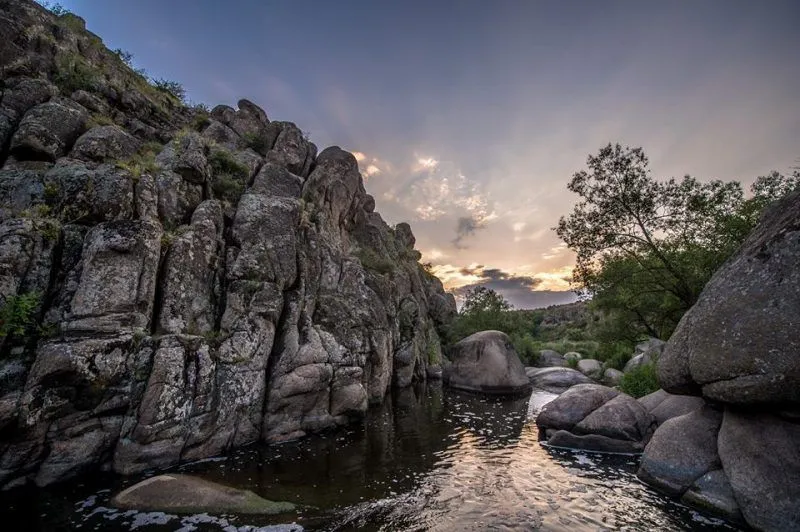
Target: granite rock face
[{"x": 193, "y": 281}]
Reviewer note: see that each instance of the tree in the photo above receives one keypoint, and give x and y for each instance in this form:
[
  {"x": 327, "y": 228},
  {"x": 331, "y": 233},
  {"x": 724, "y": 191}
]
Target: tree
[
  {"x": 481, "y": 299},
  {"x": 645, "y": 248}
]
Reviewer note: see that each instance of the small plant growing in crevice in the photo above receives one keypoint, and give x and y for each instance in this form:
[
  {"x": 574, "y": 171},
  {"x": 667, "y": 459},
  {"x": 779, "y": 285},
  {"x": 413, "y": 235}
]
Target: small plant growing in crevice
[
  {"x": 258, "y": 142},
  {"x": 18, "y": 313},
  {"x": 143, "y": 162},
  {"x": 124, "y": 56},
  {"x": 74, "y": 73},
  {"x": 229, "y": 175},
  {"x": 572, "y": 363}
]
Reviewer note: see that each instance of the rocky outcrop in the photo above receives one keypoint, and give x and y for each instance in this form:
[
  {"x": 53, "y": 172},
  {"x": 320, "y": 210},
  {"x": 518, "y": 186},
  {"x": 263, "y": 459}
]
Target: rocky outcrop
[
  {"x": 739, "y": 343},
  {"x": 737, "y": 350},
  {"x": 486, "y": 362},
  {"x": 184, "y": 281},
  {"x": 597, "y": 418}
]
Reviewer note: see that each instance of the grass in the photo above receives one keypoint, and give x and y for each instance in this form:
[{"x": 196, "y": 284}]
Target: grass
[
  {"x": 143, "y": 162},
  {"x": 640, "y": 381}
]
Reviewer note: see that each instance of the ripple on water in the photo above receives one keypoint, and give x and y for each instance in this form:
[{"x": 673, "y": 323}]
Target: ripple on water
[{"x": 427, "y": 460}]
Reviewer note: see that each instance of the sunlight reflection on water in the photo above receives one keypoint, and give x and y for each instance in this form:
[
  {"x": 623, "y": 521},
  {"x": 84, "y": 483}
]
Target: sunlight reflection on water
[{"x": 427, "y": 460}]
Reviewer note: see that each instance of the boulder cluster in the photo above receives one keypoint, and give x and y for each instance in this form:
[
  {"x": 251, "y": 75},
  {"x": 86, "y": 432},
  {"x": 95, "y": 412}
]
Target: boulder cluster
[
  {"x": 177, "y": 281},
  {"x": 724, "y": 432}
]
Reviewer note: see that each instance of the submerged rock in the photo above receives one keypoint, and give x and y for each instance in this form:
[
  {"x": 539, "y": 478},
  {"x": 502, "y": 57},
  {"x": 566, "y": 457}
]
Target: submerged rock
[
  {"x": 486, "y": 362},
  {"x": 186, "y": 494}
]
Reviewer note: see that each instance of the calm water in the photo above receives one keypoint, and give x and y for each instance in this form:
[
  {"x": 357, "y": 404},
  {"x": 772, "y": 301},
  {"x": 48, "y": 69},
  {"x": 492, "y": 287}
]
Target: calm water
[{"x": 428, "y": 459}]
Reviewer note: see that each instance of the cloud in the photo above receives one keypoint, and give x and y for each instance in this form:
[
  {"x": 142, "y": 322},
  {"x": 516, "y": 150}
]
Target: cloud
[
  {"x": 520, "y": 290},
  {"x": 466, "y": 227}
]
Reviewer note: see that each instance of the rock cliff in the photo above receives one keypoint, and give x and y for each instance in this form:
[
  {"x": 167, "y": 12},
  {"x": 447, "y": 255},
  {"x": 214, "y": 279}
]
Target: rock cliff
[{"x": 176, "y": 281}]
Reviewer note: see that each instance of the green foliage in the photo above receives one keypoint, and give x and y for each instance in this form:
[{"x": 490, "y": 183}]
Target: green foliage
[
  {"x": 374, "y": 262},
  {"x": 55, "y": 8},
  {"x": 640, "y": 381},
  {"x": 229, "y": 175},
  {"x": 200, "y": 121},
  {"x": 258, "y": 142},
  {"x": 74, "y": 73},
  {"x": 526, "y": 347},
  {"x": 170, "y": 87},
  {"x": 646, "y": 248},
  {"x": 572, "y": 363},
  {"x": 124, "y": 56},
  {"x": 17, "y": 315}
]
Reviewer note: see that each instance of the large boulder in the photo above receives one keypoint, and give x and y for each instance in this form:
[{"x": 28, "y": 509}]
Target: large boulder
[
  {"x": 49, "y": 130},
  {"x": 192, "y": 495},
  {"x": 103, "y": 143},
  {"x": 549, "y": 358},
  {"x": 591, "y": 368},
  {"x": 712, "y": 492},
  {"x": 486, "y": 362},
  {"x": 666, "y": 406},
  {"x": 682, "y": 450},
  {"x": 740, "y": 343},
  {"x": 760, "y": 454},
  {"x": 597, "y": 418},
  {"x": 555, "y": 380}
]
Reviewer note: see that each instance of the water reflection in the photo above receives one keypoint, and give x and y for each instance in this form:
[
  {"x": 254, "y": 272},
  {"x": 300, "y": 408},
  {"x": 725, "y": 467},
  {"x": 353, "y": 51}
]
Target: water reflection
[{"x": 428, "y": 459}]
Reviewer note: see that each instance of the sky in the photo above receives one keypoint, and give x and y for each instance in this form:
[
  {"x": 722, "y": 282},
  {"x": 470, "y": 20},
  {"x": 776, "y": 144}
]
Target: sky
[{"x": 469, "y": 117}]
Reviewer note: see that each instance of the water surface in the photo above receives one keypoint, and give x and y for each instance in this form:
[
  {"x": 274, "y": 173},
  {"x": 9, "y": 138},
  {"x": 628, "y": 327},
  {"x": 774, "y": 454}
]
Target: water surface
[{"x": 428, "y": 459}]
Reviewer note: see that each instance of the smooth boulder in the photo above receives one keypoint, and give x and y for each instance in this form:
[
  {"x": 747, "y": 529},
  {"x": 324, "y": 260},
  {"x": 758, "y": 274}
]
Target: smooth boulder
[
  {"x": 760, "y": 454},
  {"x": 597, "y": 418},
  {"x": 186, "y": 494},
  {"x": 591, "y": 368},
  {"x": 664, "y": 405},
  {"x": 682, "y": 450},
  {"x": 739, "y": 343},
  {"x": 486, "y": 362},
  {"x": 556, "y": 380},
  {"x": 549, "y": 358}
]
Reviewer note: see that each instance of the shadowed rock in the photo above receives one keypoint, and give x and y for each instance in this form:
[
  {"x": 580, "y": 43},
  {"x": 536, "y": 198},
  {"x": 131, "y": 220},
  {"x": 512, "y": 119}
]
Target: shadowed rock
[{"x": 486, "y": 362}]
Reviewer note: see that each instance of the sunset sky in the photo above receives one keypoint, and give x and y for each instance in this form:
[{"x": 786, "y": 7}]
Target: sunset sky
[{"x": 469, "y": 117}]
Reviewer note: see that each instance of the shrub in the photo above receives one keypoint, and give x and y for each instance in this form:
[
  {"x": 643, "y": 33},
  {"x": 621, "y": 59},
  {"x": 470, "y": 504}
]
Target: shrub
[
  {"x": 258, "y": 142},
  {"x": 124, "y": 56},
  {"x": 171, "y": 87},
  {"x": 374, "y": 262},
  {"x": 222, "y": 162},
  {"x": 640, "y": 381},
  {"x": 75, "y": 73},
  {"x": 572, "y": 363},
  {"x": 17, "y": 314},
  {"x": 525, "y": 346},
  {"x": 227, "y": 188}
]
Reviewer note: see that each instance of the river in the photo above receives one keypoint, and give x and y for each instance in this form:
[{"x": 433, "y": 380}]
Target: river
[{"x": 428, "y": 459}]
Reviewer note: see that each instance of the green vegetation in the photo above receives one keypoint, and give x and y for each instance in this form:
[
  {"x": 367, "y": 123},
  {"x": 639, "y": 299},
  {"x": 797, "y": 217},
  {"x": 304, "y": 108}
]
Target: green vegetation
[
  {"x": 98, "y": 119},
  {"x": 646, "y": 248},
  {"x": 374, "y": 262},
  {"x": 230, "y": 175},
  {"x": 258, "y": 142},
  {"x": 124, "y": 56},
  {"x": 17, "y": 315},
  {"x": 171, "y": 87},
  {"x": 640, "y": 381},
  {"x": 143, "y": 162},
  {"x": 74, "y": 73}
]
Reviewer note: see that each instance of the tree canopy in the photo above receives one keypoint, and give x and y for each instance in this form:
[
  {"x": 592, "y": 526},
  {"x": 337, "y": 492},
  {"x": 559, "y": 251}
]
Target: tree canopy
[{"x": 645, "y": 248}]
